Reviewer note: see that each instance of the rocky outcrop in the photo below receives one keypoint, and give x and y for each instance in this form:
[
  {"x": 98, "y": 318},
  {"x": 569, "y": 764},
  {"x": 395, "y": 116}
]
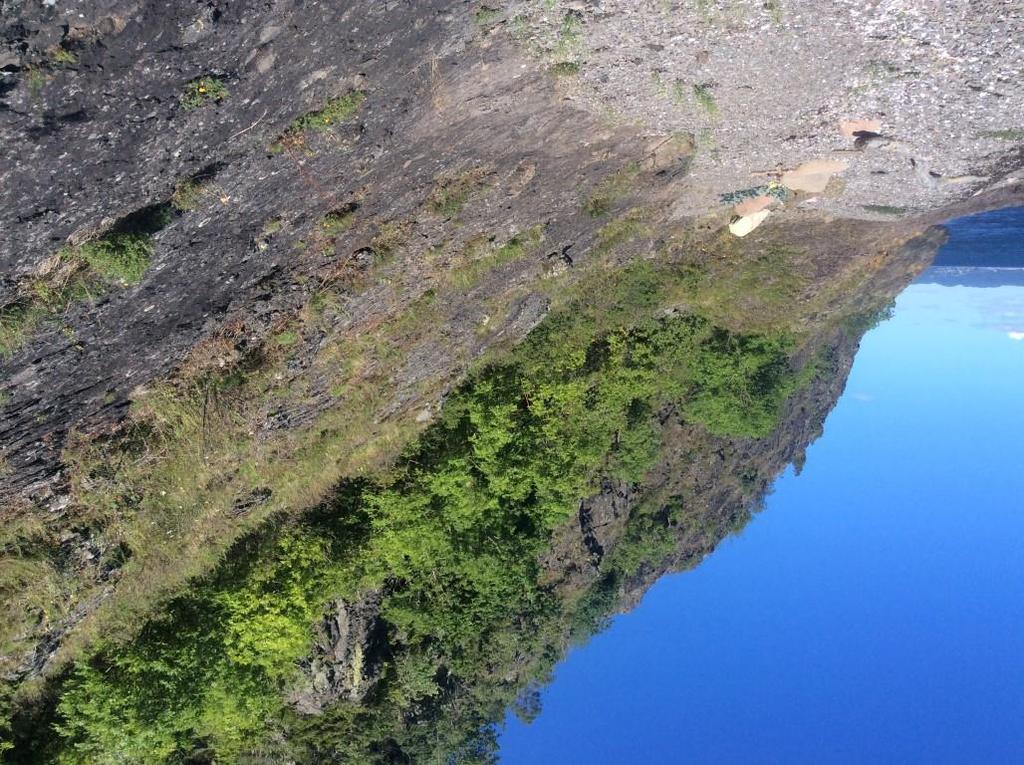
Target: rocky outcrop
[
  {"x": 91, "y": 140},
  {"x": 345, "y": 658}
]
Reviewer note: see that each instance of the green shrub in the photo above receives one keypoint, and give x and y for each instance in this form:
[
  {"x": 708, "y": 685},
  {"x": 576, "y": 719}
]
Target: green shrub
[
  {"x": 335, "y": 112},
  {"x": 460, "y": 524},
  {"x": 209, "y": 670},
  {"x": 122, "y": 257},
  {"x": 205, "y": 90}
]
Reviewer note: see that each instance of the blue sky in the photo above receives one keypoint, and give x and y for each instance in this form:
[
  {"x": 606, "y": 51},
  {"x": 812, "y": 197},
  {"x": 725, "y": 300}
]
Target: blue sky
[{"x": 873, "y": 613}]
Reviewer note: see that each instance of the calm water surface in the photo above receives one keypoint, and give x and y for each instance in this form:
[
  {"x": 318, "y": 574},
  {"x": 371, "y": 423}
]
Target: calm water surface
[{"x": 874, "y": 612}]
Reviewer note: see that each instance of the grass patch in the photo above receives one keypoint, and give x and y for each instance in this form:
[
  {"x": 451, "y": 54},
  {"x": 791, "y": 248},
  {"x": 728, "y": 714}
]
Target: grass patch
[
  {"x": 1004, "y": 135},
  {"x": 565, "y": 69},
  {"x": 625, "y": 228},
  {"x": 35, "y": 81},
  {"x": 338, "y": 221},
  {"x": 774, "y": 8},
  {"x": 485, "y": 16},
  {"x": 189, "y": 194},
  {"x": 568, "y": 40},
  {"x": 612, "y": 190},
  {"x": 268, "y": 231},
  {"x": 481, "y": 256},
  {"x": 452, "y": 191},
  {"x": 331, "y": 226},
  {"x": 203, "y": 91},
  {"x": 706, "y": 99},
  {"x": 391, "y": 237},
  {"x": 680, "y": 93},
  {"x": 886, "y": 209},
  {"x": 61, "y": 56},
  {"x": 335, "y": 112},
  {"x": 551, "y": 34},
  {"x": 18, "y": 322},
  {"x": 33, "y": 590},
  {"x": 756, "y": 289},
  {"x": 119, "y": 258}
]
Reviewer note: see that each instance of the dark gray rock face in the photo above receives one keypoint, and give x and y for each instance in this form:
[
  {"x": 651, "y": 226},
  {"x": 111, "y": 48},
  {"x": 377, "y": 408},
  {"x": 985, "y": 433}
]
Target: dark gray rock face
[
  {"x": 100, "y": 132},
  {"x": 88, "y": 142}
]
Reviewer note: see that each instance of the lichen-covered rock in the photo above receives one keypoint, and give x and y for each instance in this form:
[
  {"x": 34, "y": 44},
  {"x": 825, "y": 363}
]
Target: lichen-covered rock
[{"x": 345, "y": 657}]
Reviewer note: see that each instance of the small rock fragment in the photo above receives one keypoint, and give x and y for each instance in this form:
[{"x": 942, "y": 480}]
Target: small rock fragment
[
  {"x": 265, "y": 63},
  {"x": 850, "y": 128},
  {"x": 865, "y": 139},
  {"x": 744, "y": 224}
]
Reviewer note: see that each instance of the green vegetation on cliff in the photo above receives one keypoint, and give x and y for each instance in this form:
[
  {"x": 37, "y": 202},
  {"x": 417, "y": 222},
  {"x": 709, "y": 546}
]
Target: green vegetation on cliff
[
  {"x": 452, "y": 536},
  {"x": 336, "y": 111}
]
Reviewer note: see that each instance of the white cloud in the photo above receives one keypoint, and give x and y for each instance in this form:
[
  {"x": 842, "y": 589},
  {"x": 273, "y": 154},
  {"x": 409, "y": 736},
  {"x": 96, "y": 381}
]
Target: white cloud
[{"x": 1015, "y": 335}]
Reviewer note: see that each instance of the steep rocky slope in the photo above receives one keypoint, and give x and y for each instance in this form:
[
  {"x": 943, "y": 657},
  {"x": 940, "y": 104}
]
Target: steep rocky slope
[
  {"x": 248, "y": 249},
  {"x": 417, "y": 666},
  {"x": 97, "y": 126}
]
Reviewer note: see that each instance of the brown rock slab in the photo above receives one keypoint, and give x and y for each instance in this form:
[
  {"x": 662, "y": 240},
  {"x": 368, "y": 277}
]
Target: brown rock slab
[{"x": 813, "y": 176}]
